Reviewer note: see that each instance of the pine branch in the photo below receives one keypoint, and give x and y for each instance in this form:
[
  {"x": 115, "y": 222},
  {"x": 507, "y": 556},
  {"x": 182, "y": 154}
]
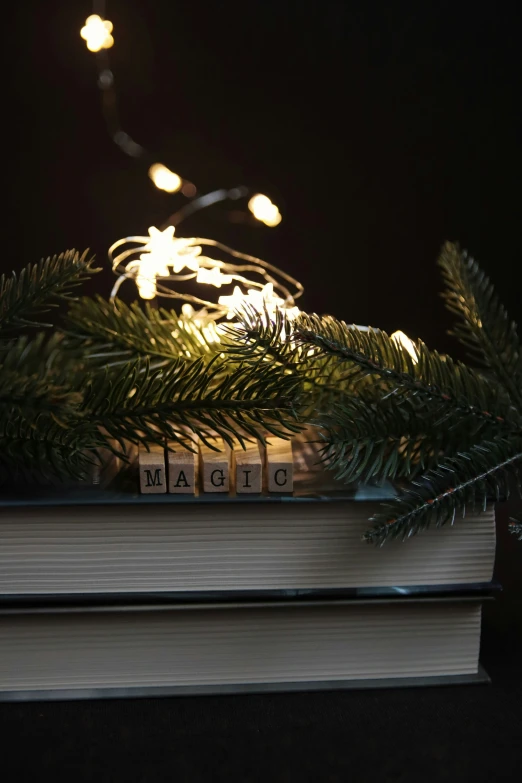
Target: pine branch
[
  {"x": 260, "y": 336},
  {"x": 40, "y": 286},
  {"x": 113, "y": 334},
  {"x": 433, "y": 378},
  {"x": 39, "y": 449},
  {"x": 35, "y": 379},
  {"x": 140, "y": 404},
  {"x": 368, "y": 437},
  {"x": 485, "y": 328},
  {"x": 468, "y": 479}
]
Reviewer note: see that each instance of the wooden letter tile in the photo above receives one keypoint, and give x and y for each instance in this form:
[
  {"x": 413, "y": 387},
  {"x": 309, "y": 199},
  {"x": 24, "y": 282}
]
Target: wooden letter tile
[
  {"x": 279, "y": 465},
  {"x": 248, "y": 469},
  {"x": 183, "y": 470},
  {"x": 153, "y": 479},
  {"x": 215, "y": 467}
]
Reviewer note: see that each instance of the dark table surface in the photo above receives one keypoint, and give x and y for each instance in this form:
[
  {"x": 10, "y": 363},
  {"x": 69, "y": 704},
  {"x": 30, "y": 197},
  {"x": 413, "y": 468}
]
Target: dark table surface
[{"x": 468, "y": 733}]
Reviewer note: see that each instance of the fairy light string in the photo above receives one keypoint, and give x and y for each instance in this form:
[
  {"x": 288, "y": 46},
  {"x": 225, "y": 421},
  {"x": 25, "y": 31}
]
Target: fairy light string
[
  {"x": 98, "y": 35},
  {"x": 160, "y": 258},
  {"x": 162, "y": 261}
]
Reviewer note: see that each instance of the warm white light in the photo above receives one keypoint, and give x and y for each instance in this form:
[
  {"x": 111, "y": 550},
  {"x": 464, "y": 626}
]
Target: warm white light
[
  {"x": 200, "y": 320},
  {"x": 264, "y": 300},
  {"x": 234, "y": 302},
  {"x": 178, "y": 252},
  {"x": 188, "y": 311},
  {"x": 164, "y": 178},
  {"x": 161, "y": 251},
  {"x": 273, "y": 220},
  {"x": 213, "y": 277},
  {"x": 262, "y": 209},
  {"x": 97, "y": 33},
  {"x": 150, "y": 267},
  {"x": 161, "y": 254},
  {"x": 408, "y": 345}
]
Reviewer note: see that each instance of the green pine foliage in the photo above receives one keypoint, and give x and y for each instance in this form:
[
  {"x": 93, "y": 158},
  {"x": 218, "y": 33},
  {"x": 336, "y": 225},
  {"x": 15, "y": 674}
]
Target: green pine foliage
[
  {"x": 114, "y": 334},
  {"x": 40, "y": 287},
  {"x": 42, "y": 434},
  {"x": 119, "y": 374},
  {"x": 448, "y": 433},
  {"x": 237, "y": 403},
  {"x": 484, "y": 326},
  {"x": 455, "y": 433}
]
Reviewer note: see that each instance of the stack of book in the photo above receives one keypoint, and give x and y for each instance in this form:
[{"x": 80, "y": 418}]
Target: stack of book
[{"x": 105, "y": 591}]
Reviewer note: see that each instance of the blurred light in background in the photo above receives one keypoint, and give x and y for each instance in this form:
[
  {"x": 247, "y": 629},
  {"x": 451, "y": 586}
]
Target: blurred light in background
[
  {"x": 97, "y": 33},
  {"x": 164, "y": 178},
  {"x": 189, "y": 189},
  {"x": 262, "y": 209}
]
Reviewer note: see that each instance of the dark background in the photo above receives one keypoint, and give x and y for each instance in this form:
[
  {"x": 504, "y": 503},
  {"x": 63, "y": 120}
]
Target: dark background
[{"x": 380, "y": 129}]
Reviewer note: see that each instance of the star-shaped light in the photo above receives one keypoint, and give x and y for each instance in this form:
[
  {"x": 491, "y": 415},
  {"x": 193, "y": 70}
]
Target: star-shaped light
[
  {"x": 265, "y": 299},
  {"x": 233, "y": 302},
  {"x": 213, "y": 276},
  {"x": 262, "y": 300},
  {"x": 97, "y": 33},
  {"x": 160, "y": 242},
  {"x": 176, "y": 252}
]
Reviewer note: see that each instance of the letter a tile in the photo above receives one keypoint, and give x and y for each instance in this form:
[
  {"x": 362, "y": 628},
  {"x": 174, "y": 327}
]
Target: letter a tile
[{"x": 183, "y": 470}]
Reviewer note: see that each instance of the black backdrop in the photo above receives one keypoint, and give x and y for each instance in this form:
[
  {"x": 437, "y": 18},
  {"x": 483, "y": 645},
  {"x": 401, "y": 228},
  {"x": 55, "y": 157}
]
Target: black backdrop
[{"x": 380, "y": 129}]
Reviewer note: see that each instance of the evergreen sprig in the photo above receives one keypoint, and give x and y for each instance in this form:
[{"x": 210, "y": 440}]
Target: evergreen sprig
[
  {"x": 35, "y": 379},
  {"x": 470, "y": 479},
  {"x": 369, "y": 437},
  {"x": 39, "y": 287},
  {"x": 454, "y": 432},
  {"x": 140, "y": 404},
  {"x": 484, "y": 326},
  {"x": 113, "y": 333},
  {"x": 263, "y": 336},
  {"x": 38, "y": 448},
  {"x": 121, "y": 373},
  {"x": 431, "y": 377}
]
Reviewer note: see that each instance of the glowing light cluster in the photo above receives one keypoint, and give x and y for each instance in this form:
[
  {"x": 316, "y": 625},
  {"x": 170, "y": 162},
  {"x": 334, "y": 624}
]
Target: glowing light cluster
[
  {"x": 264, "y": 300},
  {"x": 161, "y": 257},
  {"x": 408, "y": 345},
  {"x": 164, "y": 178},
  {"x": 264, "y": 210},
  {"x": 161, "y": 251},
  {"x": 97, "y": 33}
]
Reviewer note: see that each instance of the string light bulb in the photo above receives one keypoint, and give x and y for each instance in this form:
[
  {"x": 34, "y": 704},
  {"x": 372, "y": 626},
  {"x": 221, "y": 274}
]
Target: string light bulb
[
  {"x": 264, "y": 300},
  {"x": 150, "y": 268},
  {"x": 264, "y": 210},
  {"x": 213, "y": 276},
  {"x": 160, "y": 258},
  {"x": 408, "y": 345},
  {"x": 164, "y": 178},
  {"x": 97, "y": 33}
]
